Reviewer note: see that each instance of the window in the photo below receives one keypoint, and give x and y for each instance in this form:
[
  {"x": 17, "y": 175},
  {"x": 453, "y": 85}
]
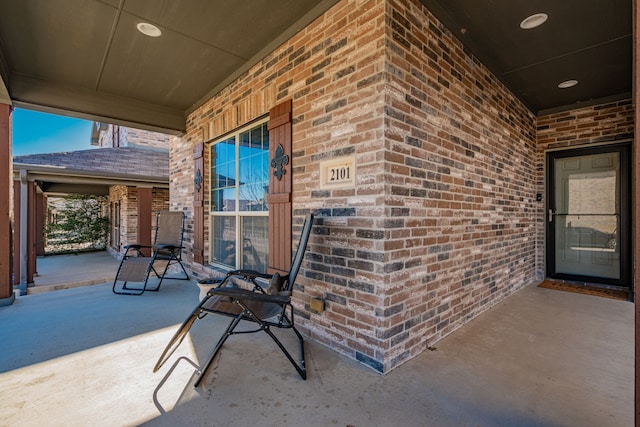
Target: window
[{"x": 239, "y": 183}]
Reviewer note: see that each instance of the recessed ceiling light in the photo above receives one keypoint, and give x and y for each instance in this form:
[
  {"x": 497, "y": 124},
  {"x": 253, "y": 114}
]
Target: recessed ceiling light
[
  {"x": 149, "y": 29},
  {"x": 567, "y": 84},
  {"x": 533, "y": 21}
]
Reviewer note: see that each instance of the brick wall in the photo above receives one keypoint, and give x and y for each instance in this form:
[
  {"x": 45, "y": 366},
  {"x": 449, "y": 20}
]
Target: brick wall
[
  {"x": 181, "y": 191},
  {"x": 461, "y": 187},
  {"x": 147, "y": 139},
  {"x": 128, "y": 198},
  {"x": 334, "y": 72},
  {"x": 322, "y": 68},
  {"x": 442, "y": 223},
  {"x": 601, "y": 123},
  {"x": 121, "y": 136}
]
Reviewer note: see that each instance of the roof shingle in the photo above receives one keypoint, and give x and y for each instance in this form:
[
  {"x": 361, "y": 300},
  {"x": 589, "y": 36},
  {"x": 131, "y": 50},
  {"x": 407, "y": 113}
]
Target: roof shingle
[{"x": 117, "y": 161}]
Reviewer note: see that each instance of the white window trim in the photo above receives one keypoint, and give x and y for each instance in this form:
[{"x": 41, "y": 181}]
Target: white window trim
[{"x": 237, "y": 214}]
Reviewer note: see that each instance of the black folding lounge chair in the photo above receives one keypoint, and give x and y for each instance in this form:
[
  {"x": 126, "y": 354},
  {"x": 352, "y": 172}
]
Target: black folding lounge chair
[
  {"x": 166, "y": 250},
  {"x": 266, "y": 308}
]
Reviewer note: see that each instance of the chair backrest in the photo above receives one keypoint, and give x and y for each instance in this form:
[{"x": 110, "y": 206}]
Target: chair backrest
[
  {"x": 300, "y": 250},
  {"x": 169, "y": 228}
]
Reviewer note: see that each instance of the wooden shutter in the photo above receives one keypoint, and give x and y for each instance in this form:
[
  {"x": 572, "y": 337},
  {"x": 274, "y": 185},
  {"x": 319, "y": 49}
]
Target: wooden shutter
[
  {"x": 198, "y": 203},
  {"x": 145, "y": 197},
  {"x": 280, "y": 184}
]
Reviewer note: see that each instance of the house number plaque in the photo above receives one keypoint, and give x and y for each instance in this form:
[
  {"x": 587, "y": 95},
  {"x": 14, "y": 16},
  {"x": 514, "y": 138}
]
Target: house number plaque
[{"x": 338, "y": 173}]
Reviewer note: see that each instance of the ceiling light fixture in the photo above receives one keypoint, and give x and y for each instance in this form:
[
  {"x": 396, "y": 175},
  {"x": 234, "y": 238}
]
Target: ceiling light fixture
[
  {"x": 533, "y": 21},
  {"x": 149, "y": 29},
  {"x": 567, "y": 84}
]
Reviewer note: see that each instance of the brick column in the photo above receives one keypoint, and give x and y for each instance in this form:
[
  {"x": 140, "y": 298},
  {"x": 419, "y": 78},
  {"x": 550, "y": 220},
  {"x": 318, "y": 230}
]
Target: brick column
[
  {"x": 16, "y": 232},
  {"x": 6, "y": 187},
  {"x": 31, "y": 232},
  {"x": 26, "y": 273}
]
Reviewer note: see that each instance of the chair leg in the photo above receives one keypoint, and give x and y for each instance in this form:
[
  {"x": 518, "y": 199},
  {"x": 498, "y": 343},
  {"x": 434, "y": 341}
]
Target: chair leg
[
  {"x": 173, "y": 260},
  {"x": 186, "y": 275},
  {"x": 301, "y": 368},
  {"x": 129, "y": 291},
  {"x": 227, "y": 333},
  {"x": 164, "y": 379},
  {"x": 179, "y": 336},
  {"x": 151, "y": 268}
]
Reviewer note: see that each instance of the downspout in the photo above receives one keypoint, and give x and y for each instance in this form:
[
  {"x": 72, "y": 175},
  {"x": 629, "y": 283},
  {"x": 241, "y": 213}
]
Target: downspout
[{"x": 24, "y": 200}]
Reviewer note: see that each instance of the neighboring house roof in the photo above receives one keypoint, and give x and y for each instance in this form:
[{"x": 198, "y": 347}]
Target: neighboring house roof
[
  {"x": 100, "y": 166},
  {"x": 111, "y": 161}
]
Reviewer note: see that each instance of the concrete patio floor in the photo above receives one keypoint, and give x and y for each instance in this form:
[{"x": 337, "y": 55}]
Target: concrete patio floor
[
  {"x": 84, "y": 356},
  {"x": 55, "y": 272}
]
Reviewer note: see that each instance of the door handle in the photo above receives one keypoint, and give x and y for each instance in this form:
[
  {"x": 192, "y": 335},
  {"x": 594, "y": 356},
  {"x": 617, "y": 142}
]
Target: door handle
[{"x": 551, "y": 213}]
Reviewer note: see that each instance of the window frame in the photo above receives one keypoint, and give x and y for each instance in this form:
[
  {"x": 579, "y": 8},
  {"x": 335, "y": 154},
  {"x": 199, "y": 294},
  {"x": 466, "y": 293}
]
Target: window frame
[{"x": 237, "y": 214}]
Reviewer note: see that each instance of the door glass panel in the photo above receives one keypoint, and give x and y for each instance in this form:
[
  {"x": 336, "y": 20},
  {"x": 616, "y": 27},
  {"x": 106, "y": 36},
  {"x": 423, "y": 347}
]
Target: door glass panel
[{"x": 586, "y": 218}]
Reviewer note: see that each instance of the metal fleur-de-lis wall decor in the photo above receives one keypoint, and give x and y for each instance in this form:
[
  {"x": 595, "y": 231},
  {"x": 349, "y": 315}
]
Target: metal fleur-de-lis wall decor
[
  {"x": 279, "y": 162},
  {"x": 197, "y": 180}
]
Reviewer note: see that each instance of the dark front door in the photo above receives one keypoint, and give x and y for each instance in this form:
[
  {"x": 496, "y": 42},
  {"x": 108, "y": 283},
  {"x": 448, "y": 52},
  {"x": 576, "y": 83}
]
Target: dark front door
[{"x": 588, "y": 216}]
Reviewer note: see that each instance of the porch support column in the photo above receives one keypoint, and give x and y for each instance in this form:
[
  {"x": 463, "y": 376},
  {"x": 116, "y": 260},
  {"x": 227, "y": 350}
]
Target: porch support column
[
  {"x": 40, "y": 211},
  {"x": 31, "y": 232},
  {"x": 16, "y": 232},
  {"x": 6, "y": 184},
  {"x": 24, "y": 231},
  {"x": 145, "y": 198}
]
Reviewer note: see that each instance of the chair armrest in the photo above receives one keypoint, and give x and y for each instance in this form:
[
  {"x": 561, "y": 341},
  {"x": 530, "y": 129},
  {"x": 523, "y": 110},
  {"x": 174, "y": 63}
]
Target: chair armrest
[
  {"x": 246, "y": 275},
  {"x": 163, "y": 246},
  {"x": 211, "y": 281},
  {"x": 136, "y": 246},
  {"x": 253, "y": 274},
  {"x": 250, "y": 274},
  {"x": 247, "y": 295}
]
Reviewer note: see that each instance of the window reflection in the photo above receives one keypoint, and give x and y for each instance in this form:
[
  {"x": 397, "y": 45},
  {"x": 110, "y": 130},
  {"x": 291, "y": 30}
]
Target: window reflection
[
  {"x": 223, "y": 176},
  {"x": 254, "y": 169},
  {"x": 239, "y": 188}
]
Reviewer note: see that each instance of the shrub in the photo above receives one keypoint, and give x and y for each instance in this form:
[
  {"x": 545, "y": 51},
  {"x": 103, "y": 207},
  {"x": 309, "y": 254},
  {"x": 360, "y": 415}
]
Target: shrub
[{"x": 80, "y": 225}]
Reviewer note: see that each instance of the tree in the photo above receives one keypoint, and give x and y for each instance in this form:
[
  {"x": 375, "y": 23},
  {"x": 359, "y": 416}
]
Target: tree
[{"x": 81, "y": 225}]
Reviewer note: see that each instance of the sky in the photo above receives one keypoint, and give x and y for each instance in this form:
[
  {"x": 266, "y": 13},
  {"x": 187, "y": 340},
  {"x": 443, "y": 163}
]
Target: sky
[{"x": 39, "y": 133}]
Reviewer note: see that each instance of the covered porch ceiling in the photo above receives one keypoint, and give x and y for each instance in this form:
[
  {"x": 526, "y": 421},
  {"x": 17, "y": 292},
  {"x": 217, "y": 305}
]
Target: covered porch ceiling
[{"x": 85, "y": 58}]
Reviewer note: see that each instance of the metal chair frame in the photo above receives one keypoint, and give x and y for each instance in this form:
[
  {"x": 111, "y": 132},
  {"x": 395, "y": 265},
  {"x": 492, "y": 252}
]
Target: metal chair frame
[
  {"x": 267, "y": 308},
  {"x": 135, "y": 266}
]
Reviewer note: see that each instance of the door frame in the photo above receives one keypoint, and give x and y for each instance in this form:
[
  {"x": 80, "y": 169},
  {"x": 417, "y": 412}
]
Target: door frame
[{"x": 626, "y": 249}]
